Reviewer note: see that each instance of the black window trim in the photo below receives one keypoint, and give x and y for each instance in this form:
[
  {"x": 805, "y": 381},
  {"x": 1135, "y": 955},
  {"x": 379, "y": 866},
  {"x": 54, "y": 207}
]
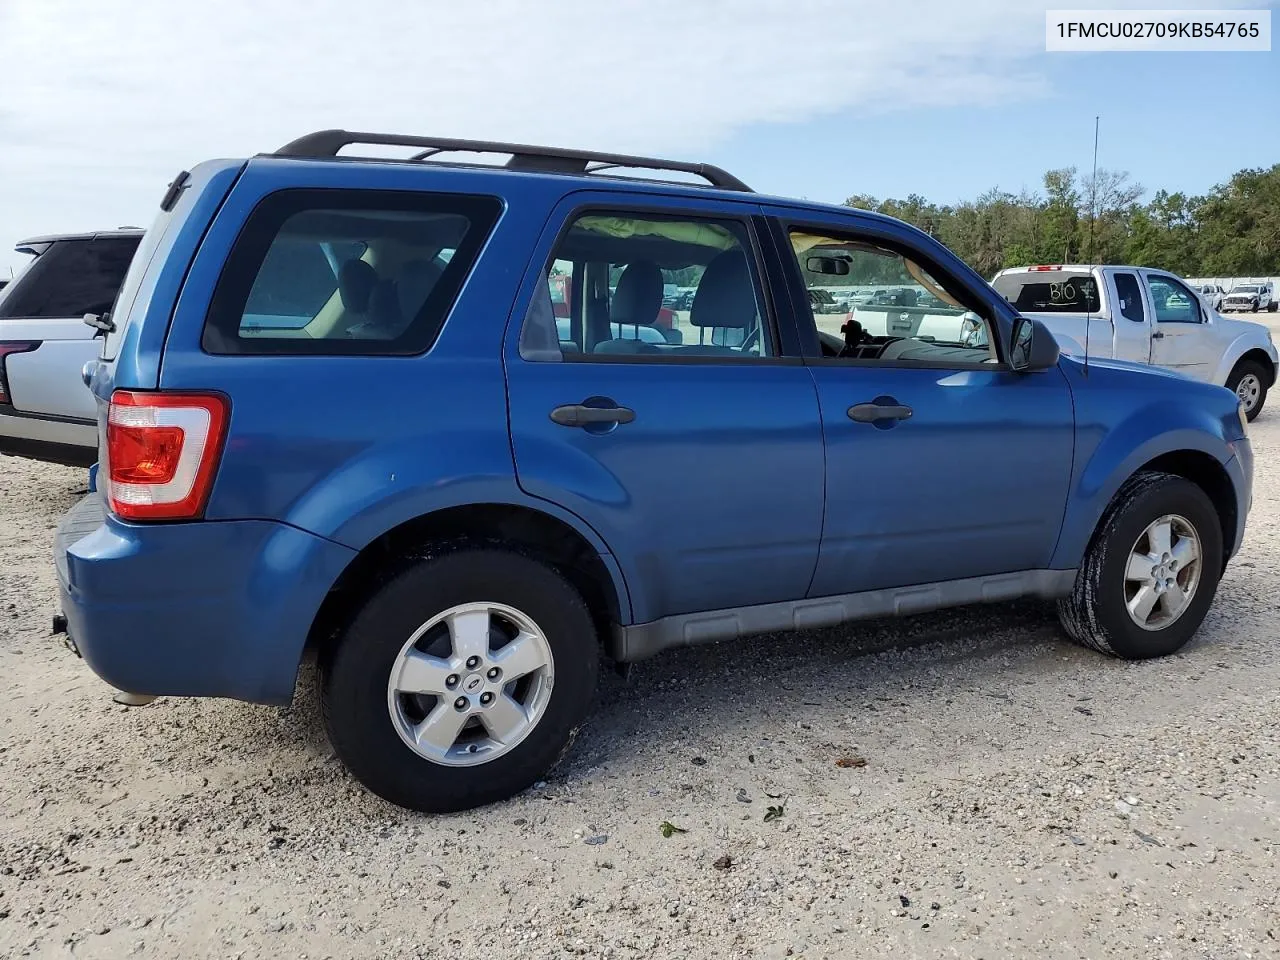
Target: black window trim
[
  {"x": 244, "y": 259},
  {"x": 787, "y": 350},
  {"x": 808, "y": 331}
]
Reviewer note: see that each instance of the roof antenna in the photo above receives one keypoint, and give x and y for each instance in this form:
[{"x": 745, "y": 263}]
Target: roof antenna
[{"x": 1093, "y": 217}]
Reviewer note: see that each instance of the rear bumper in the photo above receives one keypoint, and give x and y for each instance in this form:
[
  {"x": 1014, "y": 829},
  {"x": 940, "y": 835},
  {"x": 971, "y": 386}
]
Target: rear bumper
[{"x": 209, "y": 609}]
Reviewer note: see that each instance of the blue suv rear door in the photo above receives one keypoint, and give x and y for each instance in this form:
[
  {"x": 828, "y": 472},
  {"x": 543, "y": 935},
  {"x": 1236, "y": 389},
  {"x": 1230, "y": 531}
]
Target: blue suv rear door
[
  {"x": 689, "y": 439},
  {"x": 942, "y": 463}
]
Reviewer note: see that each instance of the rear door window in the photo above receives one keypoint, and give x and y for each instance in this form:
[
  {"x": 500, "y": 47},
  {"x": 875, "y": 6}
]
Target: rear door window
[
  {"x": 1130, "y": 294},
  {"x": 71, "y": 278},
  {"x": 612, "y": 292},
  {"x": 346, "y": 272}
]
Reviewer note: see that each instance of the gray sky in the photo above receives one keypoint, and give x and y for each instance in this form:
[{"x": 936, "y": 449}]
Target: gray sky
[{"x": 104, "y": 100}]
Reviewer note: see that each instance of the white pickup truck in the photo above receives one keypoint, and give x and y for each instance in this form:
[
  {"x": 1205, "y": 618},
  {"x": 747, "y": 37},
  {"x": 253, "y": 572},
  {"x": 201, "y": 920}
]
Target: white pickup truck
[
  {"x": 1252, "y": 295},
  {"x": 1145, "y": 316},
  {"x": 46, "y": 411}
]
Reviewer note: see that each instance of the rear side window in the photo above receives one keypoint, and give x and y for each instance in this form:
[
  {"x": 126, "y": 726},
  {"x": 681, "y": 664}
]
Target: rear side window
[
  {"x": 1130, "y": 298},
  {"x": 1049, "y": 292},
  {"x": 339, "y": 272},
  {"x": 71, "y": 278}
]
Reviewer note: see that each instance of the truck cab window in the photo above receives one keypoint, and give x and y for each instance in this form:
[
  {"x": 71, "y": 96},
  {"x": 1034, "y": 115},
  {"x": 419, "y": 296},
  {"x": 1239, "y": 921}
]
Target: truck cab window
[
  {"x": 1130, "y": 294},
  {"x": 1172, "y": 302}
]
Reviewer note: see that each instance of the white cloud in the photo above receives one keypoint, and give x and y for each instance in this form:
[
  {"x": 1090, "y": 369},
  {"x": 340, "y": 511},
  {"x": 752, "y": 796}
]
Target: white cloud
[{"x": 105, "y": 99}]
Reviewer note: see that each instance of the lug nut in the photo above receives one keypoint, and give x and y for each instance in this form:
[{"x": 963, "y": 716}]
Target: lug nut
[
  {"x": 486, "y": 699},
  {"x": 494, "y": 673},
  {"x": 451, "y": 681},
  {"x": 473, "y": 662},
  {"x": 460, "y": 703}
]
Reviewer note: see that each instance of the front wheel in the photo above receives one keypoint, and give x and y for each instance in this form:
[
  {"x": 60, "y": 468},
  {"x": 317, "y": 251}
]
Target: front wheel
[
  {"x": 1248, "y": 381},
  {"x": 461, "y": 681},
  {"x": 1151, "y": 570}
]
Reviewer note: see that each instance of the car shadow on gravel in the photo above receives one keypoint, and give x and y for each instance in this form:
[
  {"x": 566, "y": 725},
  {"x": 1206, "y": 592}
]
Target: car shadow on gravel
[
  {"x": 781, "y": 674},
  {"x": 771, "y": 673}
]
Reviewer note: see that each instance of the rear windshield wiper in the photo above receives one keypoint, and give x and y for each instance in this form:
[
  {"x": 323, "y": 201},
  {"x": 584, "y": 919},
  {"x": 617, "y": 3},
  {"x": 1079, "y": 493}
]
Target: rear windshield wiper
[{"x": 101, "y": 322}]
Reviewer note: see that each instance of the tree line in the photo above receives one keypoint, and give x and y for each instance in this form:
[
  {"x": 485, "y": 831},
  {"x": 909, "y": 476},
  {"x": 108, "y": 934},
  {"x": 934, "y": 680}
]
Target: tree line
[{"x": 1232, "y": 231}]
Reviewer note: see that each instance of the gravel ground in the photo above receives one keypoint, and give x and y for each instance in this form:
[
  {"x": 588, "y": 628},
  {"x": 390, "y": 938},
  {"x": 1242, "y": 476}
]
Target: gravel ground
[{"x": 957, "y": 785}]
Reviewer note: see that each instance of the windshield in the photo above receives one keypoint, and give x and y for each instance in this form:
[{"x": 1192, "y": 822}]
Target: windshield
[{"x": 1249, "y": 289}]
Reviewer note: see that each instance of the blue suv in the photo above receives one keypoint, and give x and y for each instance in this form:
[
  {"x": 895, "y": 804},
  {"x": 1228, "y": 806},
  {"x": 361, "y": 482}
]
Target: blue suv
[{"x": 342, "y": 416}]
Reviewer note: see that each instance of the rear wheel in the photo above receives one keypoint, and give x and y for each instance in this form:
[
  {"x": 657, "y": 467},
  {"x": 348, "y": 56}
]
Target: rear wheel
[
  {"x": 461, "y": 681},
  {"x": 1151, "y": 570},
  {"x": 1248, "y": 381}
]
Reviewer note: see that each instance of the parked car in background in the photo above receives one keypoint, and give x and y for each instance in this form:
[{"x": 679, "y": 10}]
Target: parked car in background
[
  {"x": 1145, "y": 316},
  {"x": 1212, "y": 295},
  {"x": 46, "y": 412},
  {"x": 822, "y": 301},
  {"x": 456, "y": 514},
  {"x": 1252, "y": 296}
]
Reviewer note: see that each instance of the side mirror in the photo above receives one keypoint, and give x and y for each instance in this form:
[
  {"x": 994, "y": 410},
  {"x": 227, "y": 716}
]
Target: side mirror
[{"x": 1033, "y": 347}]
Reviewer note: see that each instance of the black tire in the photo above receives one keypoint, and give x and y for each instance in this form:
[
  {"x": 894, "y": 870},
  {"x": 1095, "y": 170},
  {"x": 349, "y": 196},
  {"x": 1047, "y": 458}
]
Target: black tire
[
  {"x": 1273, "y": 306},
  {"x": 1243, "y": 369},
  {"x": 355, "y": 672},
  {"x": 1095, "y": 614}
]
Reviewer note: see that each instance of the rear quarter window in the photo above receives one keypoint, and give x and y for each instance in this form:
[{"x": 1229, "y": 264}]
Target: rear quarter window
[{"x": 336, "y": 272}]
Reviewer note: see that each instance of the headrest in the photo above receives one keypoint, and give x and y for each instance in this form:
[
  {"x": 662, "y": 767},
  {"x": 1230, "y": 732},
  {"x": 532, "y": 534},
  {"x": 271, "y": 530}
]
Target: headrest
[
  {"x": 417, "y": 279},
  {"x": 726, "y": 296},
  {"x": 356, "y": 280},
  {"x": 638, "y": 296},
  {"x": 384, "y": 307},
  {"x": 625, "y": 346}
]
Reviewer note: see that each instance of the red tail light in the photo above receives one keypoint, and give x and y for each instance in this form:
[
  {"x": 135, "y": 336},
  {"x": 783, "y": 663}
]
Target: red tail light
[
  {"x": 5, "y": 350},
  {"x": 162, "y": 452},
  {"x": 1046, "y": 268}
]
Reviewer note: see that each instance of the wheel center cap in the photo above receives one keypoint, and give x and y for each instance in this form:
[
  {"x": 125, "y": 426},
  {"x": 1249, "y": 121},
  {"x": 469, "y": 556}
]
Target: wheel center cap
[{"x": 473, "y": 683}]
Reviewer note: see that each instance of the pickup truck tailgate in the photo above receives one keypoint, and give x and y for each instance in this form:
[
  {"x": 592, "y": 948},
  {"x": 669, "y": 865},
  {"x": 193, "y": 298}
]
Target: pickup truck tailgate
[{"x": 47, "y": 380}]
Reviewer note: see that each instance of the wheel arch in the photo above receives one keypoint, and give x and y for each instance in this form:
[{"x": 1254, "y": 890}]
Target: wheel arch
[
  {"x": 1263, "y": 359},
  {"x": 1210, "y": 476},
  {"x": 535, "y": 533},
  {"x": 1242, "y": 349},
  {"x": 1197, "y": 466}
]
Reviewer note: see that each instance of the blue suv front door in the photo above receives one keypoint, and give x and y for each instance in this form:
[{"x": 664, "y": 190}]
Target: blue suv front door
[
  {"x": 649, "y": 395},
  {"x": 942, "y": 463}
]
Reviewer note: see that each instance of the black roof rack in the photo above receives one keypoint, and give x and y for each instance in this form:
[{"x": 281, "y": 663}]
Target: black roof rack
[{"x": 327, "y": 143}]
